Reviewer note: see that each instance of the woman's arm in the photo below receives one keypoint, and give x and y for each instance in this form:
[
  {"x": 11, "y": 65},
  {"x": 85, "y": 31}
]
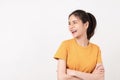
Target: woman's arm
[
  {"x": 98, "y": 73},
  {"x": 62, "y": 71}
]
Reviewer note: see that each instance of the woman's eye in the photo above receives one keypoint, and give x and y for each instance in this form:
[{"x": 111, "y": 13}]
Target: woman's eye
[{"x": 74, "y": 22}]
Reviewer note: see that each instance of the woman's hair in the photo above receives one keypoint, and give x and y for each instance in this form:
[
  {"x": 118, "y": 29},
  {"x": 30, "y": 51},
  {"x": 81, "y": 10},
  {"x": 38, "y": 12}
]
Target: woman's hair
[{"x": 84, "y": 17}]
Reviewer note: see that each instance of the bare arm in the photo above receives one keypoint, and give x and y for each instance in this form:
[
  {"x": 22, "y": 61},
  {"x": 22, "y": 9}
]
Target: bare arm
[
  {"x": 62, "y": 72},
  {"x": 98, "y": 73}
]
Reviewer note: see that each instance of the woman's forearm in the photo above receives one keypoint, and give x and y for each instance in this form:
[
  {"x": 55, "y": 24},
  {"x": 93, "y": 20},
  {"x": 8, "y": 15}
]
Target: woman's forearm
[
  {"x": 97, "y": 74},
  {"x": 86, "y": 76},
  {"x": 67, "y": 77}
]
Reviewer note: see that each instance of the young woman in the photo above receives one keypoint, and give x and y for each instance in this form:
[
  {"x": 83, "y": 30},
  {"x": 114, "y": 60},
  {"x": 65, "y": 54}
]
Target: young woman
[{"x": 78, "y": 58}]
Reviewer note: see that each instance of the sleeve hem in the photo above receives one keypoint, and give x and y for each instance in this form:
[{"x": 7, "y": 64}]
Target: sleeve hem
[{"x": 57, "y": 58}]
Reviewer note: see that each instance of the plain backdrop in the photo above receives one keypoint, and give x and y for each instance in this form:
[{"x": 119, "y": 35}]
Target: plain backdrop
[{"x": 32, "y": 30}]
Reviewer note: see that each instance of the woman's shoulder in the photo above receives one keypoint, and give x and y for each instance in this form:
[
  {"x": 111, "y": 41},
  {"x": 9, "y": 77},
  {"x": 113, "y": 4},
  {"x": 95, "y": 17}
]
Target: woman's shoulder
[
  {"x": 68, "y": 41},
  {"x": 94, "y": 45}
]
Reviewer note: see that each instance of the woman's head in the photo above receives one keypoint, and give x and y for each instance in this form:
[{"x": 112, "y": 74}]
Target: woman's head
[{"x": 81, "y": 22}]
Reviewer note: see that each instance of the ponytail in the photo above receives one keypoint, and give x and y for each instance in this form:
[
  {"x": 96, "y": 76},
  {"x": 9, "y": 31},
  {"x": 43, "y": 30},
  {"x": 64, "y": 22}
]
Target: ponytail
[{"x": 92, "y": 26}]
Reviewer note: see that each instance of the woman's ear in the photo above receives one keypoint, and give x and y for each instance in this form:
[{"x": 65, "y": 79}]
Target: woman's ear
[{"x": 86, "y": 25}]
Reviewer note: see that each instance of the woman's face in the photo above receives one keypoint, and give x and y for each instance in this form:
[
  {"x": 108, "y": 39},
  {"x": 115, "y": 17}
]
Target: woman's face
[{"x": 77, "y": 27}]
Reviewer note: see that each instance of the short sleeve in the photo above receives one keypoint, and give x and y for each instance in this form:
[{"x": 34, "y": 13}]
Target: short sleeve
[
  {"x": 99, "y": 58},
  {"x": 61, "y": 53}
]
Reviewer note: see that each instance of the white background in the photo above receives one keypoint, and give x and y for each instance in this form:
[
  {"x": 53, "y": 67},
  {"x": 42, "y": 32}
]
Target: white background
[{"x": 32, "y": 30}]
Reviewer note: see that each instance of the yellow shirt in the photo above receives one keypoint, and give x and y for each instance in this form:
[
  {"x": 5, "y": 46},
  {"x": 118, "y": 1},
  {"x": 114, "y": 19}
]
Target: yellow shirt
[{"x": 77, "y": 57}]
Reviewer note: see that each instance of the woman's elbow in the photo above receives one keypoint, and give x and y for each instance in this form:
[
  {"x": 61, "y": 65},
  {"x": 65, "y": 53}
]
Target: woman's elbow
[
  {"x": 61, "y": 77},
  {"x": 64, "y": 77}
]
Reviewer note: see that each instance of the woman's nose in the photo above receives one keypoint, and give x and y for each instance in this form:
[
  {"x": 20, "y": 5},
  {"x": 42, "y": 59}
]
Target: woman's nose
[{"x": 71, "y": 26}]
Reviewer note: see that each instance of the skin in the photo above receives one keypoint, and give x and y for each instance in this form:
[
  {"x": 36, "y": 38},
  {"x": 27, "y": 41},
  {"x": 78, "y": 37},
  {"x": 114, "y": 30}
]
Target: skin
[{"x": 78, "y": 30}]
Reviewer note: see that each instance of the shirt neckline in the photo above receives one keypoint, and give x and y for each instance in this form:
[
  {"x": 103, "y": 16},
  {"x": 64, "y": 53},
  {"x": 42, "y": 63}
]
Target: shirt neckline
[{"x": 84, "y": 47}]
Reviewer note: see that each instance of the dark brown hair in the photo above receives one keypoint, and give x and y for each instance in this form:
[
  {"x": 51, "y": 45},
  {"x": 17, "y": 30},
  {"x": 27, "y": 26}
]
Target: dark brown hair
[{"x": 84, "y": 16}]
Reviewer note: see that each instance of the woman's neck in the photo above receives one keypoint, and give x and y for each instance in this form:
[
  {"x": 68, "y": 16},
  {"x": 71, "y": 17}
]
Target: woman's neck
[{"x": 82, "y": 41}]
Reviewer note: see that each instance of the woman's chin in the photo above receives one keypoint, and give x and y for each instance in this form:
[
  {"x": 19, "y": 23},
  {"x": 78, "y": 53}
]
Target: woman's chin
[{"x": 74, "y": 36}]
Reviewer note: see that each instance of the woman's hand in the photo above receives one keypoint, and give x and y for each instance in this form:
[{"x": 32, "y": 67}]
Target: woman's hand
[
  {"x": 99, "y": 69},
  {"x": 98, "y": 73},
  {"x": 71, "y": 72}
]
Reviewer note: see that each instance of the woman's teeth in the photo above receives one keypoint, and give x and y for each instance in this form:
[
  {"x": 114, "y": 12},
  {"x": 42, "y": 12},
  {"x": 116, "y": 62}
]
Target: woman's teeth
[{"x": 74, "y": 31}]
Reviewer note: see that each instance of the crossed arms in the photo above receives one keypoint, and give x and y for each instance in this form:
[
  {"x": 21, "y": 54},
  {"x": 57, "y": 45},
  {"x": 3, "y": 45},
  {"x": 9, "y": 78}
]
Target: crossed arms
[{"x": 66, "y": 74}]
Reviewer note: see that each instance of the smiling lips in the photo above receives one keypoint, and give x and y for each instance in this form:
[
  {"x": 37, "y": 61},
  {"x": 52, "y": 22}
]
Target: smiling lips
[{"x": 73, "y": 31}]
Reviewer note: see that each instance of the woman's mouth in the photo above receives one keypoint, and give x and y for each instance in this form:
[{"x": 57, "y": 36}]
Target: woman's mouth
[{"x": 74, "y": 31}]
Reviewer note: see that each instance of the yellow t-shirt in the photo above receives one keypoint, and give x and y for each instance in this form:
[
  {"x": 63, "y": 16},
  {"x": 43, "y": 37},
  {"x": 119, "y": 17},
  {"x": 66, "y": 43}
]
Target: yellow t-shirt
[{"x": 77, "y": 57}]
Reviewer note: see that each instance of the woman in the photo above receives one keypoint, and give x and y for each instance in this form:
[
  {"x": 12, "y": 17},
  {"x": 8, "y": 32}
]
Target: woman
[{"x": 78, "y": 58}]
